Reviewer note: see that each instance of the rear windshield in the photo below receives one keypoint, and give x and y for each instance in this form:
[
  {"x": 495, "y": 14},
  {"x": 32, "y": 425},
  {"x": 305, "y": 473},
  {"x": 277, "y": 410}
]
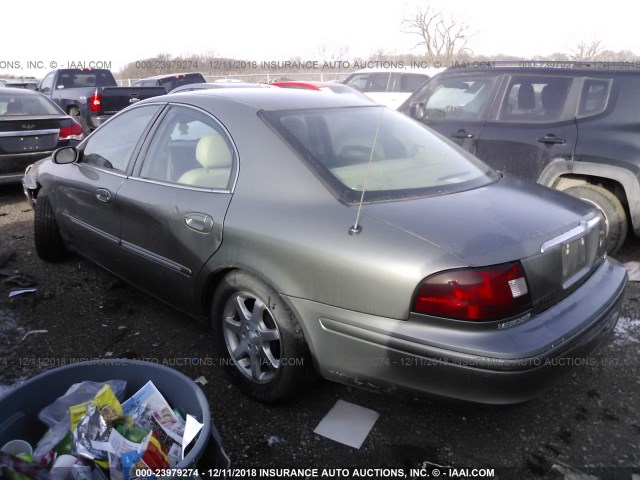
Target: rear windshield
[
  {"x": 409, "y": 159},
  {"x": 26, "y": 105},
  {"x": 85, "y": 78}
]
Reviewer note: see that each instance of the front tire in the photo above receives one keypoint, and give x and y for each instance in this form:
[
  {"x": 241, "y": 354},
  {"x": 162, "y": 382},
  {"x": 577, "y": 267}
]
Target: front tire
[
  {"x": 614, "y": 215},
  {"x": 46, "y": 234},
  {"x": 259, "y": 341}
]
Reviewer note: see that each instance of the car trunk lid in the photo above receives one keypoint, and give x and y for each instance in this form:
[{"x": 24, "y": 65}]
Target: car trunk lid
[
  {"x": 556, "y": 237},
  {"x": 28, "y": 135}
]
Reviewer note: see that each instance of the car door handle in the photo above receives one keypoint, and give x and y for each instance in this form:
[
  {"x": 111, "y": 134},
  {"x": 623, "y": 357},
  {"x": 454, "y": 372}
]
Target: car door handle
[
  {"x": 462, "y": 134},
  {"x": 200, "y": 222},
  {"x": 551, "y": 139},
  {"x": 103, "y": 195}
]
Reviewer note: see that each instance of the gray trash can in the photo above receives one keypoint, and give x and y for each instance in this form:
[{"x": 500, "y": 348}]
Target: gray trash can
[{"x": 19, "y": 408}]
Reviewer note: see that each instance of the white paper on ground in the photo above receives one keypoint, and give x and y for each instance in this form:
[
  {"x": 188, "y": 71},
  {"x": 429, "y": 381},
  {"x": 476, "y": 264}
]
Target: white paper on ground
[
  {"x": 633, "y": 269},
  {"x": 347, "y": 423}
]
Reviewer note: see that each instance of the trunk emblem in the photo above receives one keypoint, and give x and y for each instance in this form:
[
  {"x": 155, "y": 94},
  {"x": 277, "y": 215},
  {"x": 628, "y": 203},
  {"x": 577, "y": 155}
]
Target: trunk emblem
[{"x": 28, "y": 126}]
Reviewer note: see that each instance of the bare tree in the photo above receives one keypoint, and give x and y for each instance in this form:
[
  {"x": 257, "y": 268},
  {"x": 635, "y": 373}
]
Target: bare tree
[
  {"x": 444, "y": 39},
  {"x": 587, "y": 50}
]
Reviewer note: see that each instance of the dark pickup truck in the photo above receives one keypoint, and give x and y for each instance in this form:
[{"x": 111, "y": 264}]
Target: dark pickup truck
[{"x": 91, "y": 96}]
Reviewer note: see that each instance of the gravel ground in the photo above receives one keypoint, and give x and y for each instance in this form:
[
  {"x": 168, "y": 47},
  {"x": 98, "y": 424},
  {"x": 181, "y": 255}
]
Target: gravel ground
[{"x": 587, "y": 425}]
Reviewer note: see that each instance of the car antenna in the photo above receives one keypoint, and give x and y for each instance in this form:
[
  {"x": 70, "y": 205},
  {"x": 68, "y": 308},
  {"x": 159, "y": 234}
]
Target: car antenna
[{"x": 357, "y": 228}]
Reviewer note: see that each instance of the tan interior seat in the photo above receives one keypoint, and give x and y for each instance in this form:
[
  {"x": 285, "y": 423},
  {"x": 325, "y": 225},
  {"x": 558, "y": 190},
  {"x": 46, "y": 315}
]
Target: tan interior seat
[{"x": 213, "y": 153}]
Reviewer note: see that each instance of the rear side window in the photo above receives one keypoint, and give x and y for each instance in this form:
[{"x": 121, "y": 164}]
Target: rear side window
[
  {"x": 536, "y": 99},
  {"x": 594, "y": 97},
  {"x": 190, "y": 148}
]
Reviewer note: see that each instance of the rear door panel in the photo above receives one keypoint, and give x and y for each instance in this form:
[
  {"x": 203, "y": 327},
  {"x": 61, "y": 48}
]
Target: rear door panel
[{"x": 532, "y": 124}]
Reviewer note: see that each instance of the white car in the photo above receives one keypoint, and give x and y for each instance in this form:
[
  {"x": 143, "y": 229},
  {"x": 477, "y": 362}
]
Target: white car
[{"x": 390, "y": 87}]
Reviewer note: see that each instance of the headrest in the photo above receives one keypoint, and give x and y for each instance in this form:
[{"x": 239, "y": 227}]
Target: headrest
[
  {"x": 213, "y": 152},
  {"x": 526, "y": 97}
]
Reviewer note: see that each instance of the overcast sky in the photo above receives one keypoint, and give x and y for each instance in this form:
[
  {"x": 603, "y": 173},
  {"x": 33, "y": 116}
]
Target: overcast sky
[{"x": 119, "y": 31}]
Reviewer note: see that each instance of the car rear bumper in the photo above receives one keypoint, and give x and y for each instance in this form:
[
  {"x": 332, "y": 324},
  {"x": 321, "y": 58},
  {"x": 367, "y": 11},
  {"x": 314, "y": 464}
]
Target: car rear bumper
[
  {"x": 12, "y": 166},
  {"x": 479, "y": 363}
]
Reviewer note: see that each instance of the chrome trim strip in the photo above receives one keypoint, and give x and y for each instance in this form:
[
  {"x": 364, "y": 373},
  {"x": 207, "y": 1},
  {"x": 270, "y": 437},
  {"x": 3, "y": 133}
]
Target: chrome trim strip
[
  {"x": 574, "y": 233},
  {"x": 180, "y": 185},
  {"x": 91, "y": 228},
  {"x": 30, "y": 133},
  {"x": 156, "y": 258}
]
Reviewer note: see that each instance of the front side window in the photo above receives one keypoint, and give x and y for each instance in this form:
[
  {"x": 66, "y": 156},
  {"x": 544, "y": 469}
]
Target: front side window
[
  {"x": 379, "y": 150},
  {"x": 458, "y": 98},
  {"x": 358, "y": 81},
  {"x": 410, "y": 82},
  {"x": 190, "y": 148},
  {"x": 111, "y": 147},
  {"x": 535, "y": 99}
]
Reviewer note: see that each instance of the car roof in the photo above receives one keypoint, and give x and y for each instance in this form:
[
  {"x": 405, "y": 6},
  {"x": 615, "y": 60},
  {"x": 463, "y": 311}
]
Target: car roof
[
  {"x": 306, "y": 83},
  {"x": 205, "y": 86},
  {"x": 270, "y": 98},
  {"x": 422, "y": 71},
  {"x": 169, "y": 75},
  {"x": 527, "y": 68},
  {"x": 19, "y": 91}
]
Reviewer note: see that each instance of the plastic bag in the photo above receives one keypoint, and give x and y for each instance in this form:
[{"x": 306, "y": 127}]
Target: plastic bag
[
  {"x": 81, "y": 392},
  {"x": 56, "y": 415}
]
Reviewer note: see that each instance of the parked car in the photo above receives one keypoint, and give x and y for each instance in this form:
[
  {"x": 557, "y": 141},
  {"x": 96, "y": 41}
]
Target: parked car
[
  {"x": 325, "y": 231},
  {"x": 572, "y": 129},
  {"x": 170, "y": 81},
  {"x": 389, "y": 87},
  {"x": 31, "y": 85},
  {"x": 91, "y": 96},
  {"x": 330, "y": 87},
  {"x": 31, "y": 127}
]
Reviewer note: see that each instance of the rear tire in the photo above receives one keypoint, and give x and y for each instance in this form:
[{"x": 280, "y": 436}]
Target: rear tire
[
  {"x": 615, "y": 217},
  {"x": 49, "y": 244},
  {"x": 259, "y": 341}
]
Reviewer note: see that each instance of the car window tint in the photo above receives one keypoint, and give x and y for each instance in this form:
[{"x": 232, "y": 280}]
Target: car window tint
[
  {"x": 190, "y": 148},
  {"x": 532, "y": 99},
  {"x": 359, "y": 81},
  {"x": 395, "y": 156},
  {"x": 409, "y": 82},
  {"x": 112, "y": 145},
  {"x": 458, "y": 99},
  {"x": 595, "y": 94}
]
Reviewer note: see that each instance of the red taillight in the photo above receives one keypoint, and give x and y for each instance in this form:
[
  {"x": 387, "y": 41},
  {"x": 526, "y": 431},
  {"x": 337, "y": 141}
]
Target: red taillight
[
  {"x": 488, "y": 293},
  {"x": 95, "y": 102},
  {"x": 72, "y": 132}
]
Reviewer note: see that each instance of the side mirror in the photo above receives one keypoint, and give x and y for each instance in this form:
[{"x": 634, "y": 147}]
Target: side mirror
[
  {"x": 44, "y": 90},
  {"x": 65, "y": 155},
  {"x": 417, "y": 110}
]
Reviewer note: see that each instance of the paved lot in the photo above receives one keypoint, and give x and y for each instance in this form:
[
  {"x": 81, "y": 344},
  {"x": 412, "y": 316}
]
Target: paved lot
[{"x": 587, "y": 425}]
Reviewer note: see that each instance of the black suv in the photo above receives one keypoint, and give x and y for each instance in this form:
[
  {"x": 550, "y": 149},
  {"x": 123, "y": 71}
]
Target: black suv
[
  {"x": 170, "y": 81},
  {"x": 574, "y": 129}
]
